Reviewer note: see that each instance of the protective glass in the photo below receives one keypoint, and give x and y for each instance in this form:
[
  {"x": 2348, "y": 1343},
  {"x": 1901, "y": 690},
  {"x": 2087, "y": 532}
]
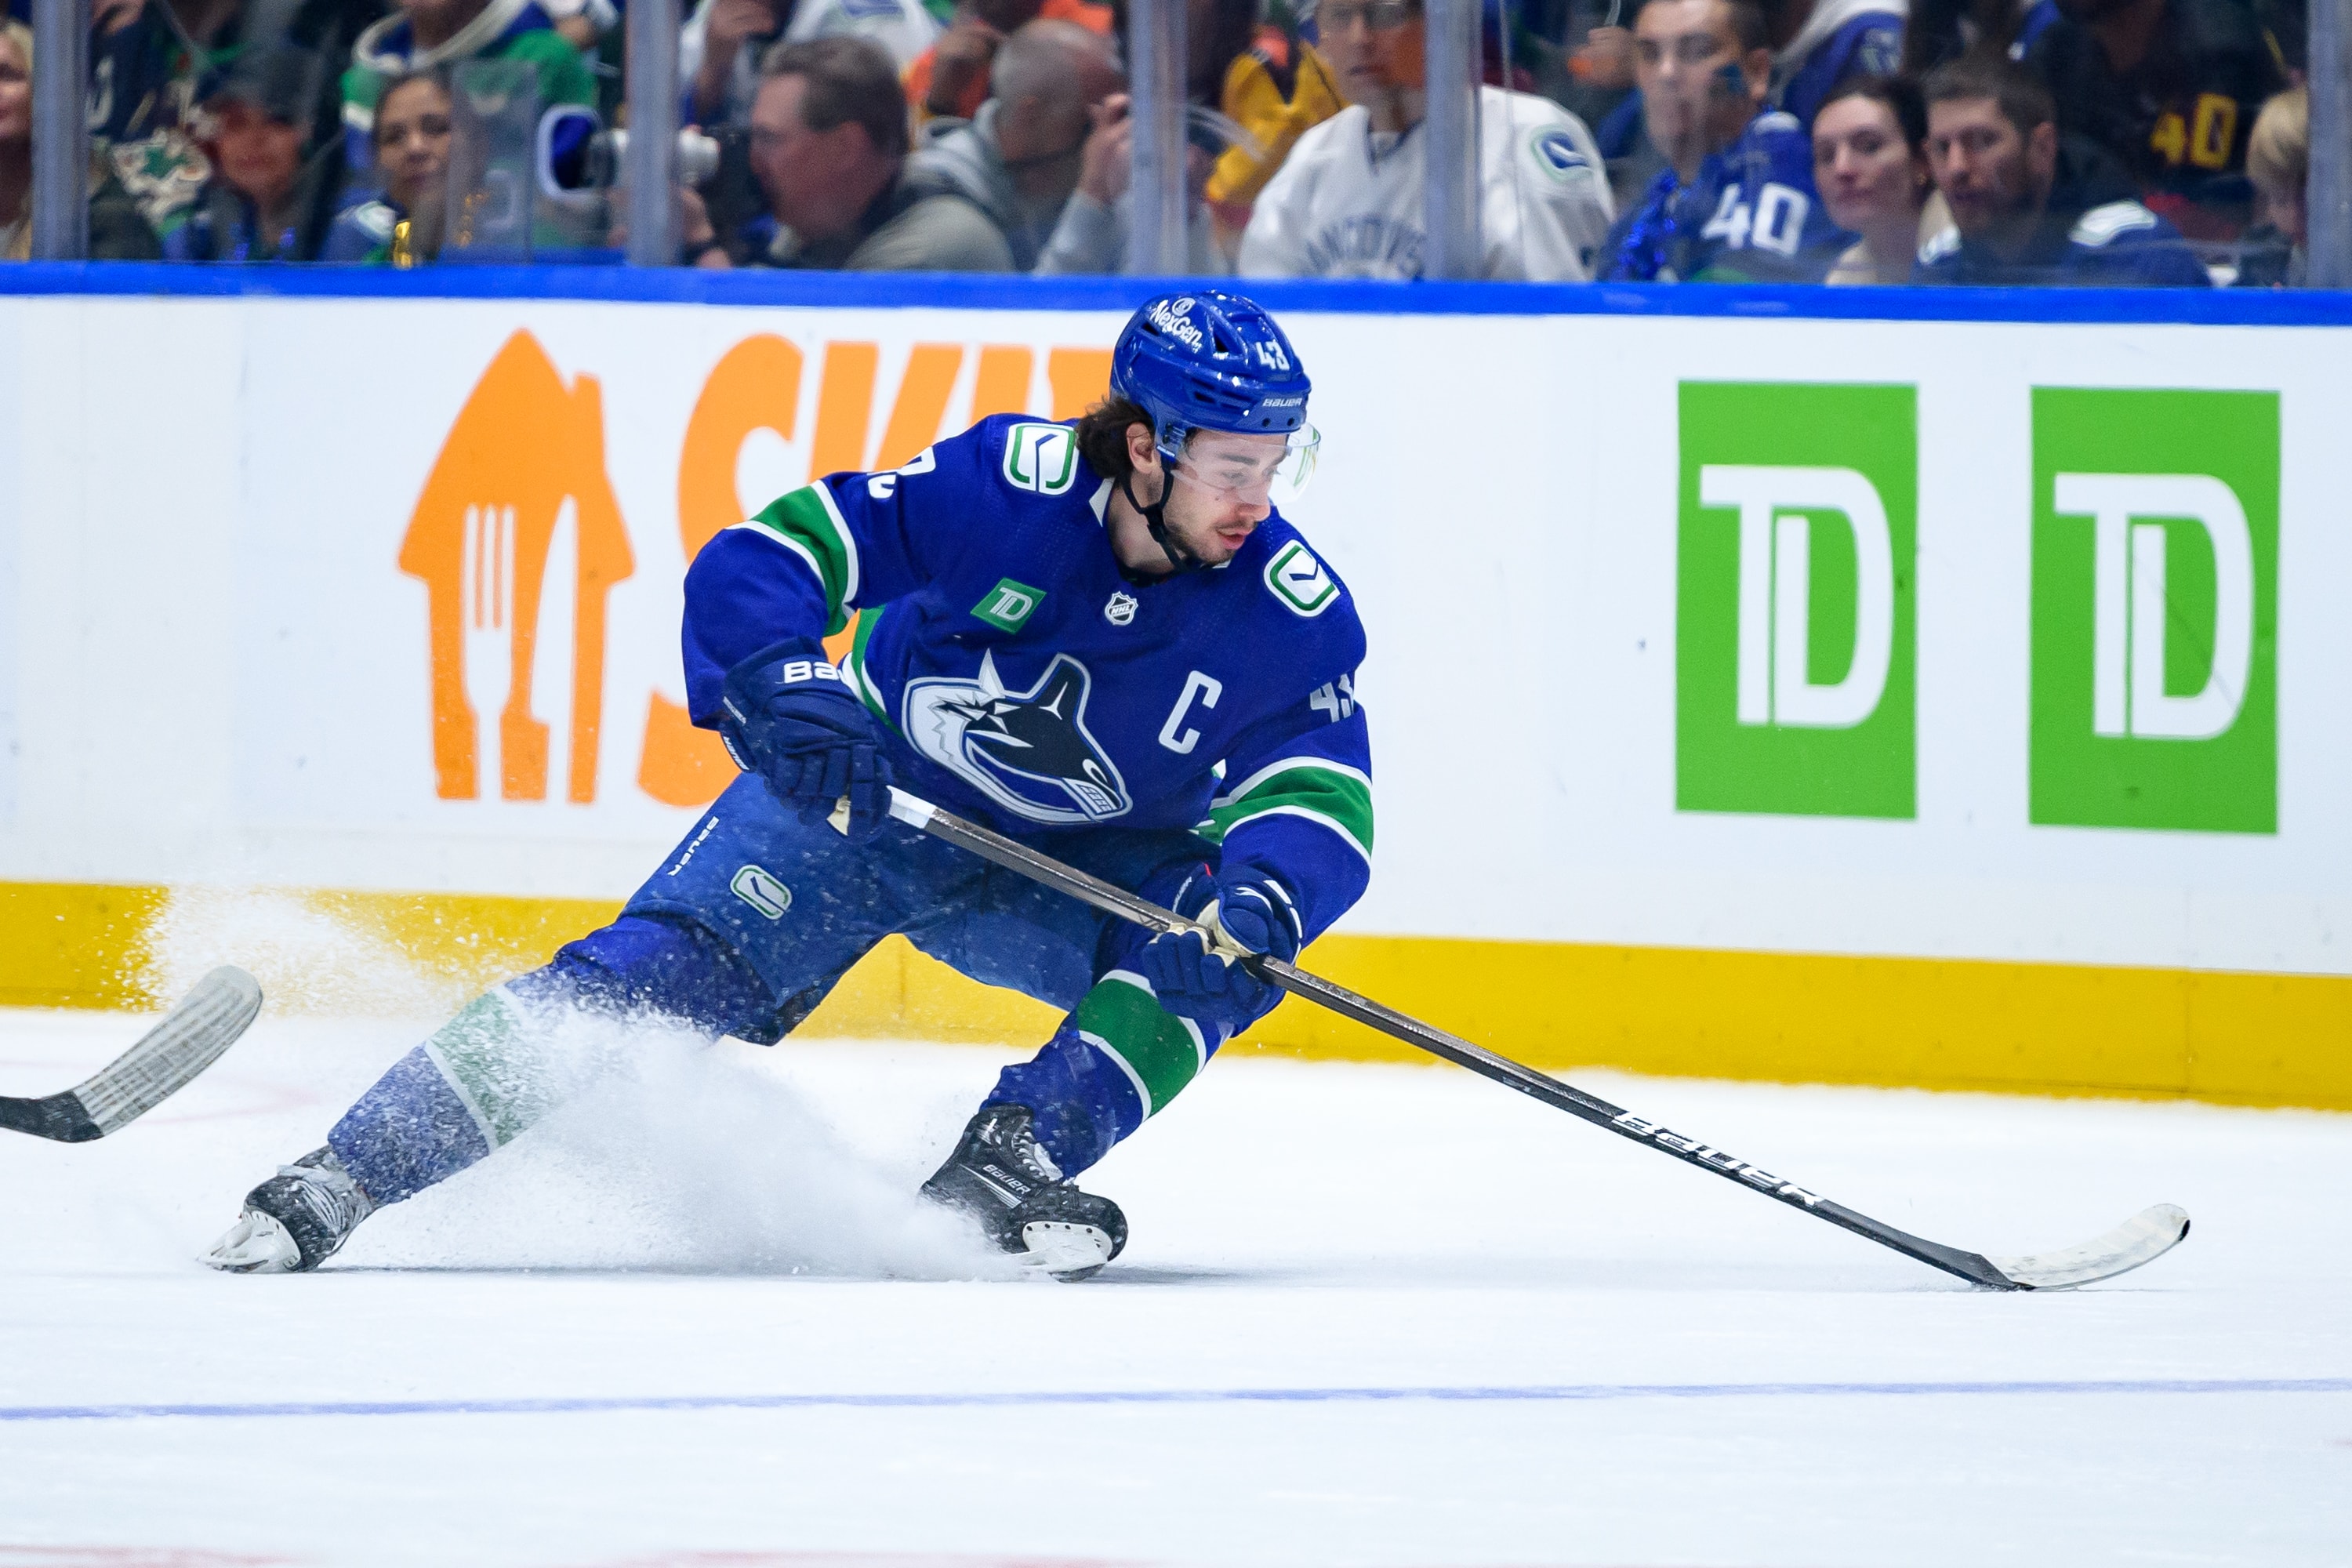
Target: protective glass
[{"x": 1251, "y": 470}]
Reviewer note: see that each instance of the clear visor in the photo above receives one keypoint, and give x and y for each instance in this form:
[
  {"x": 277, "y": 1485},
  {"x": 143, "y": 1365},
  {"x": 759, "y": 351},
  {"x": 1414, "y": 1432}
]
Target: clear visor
[{"x": 1253, "y": 470}]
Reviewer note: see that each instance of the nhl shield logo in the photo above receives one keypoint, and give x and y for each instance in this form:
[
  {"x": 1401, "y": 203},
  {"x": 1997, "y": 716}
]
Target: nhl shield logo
[{"x": 1122, "y": 609}]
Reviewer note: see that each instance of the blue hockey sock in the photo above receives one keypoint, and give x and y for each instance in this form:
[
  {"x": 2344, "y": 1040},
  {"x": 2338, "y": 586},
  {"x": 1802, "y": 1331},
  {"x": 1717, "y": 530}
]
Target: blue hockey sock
[
  {"x": 497, "y": 1067},
  {"x": 1114, "y": 1062}
]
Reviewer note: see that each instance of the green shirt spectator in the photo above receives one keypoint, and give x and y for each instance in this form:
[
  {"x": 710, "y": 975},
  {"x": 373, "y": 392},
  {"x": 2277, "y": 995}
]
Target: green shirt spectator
[{"x": 425, "y": 34}]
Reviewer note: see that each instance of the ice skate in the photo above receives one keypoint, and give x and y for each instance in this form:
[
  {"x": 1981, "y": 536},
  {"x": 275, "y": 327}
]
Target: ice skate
[
  {"x": 294, "y": 1221},
  {"x": 999, "y": 1176}
]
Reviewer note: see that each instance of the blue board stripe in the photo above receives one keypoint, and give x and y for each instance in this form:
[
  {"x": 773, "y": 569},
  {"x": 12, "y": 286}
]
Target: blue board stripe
[
  {"x": 1537, "y": 1393},
  {"x": 978, "y": 292}
]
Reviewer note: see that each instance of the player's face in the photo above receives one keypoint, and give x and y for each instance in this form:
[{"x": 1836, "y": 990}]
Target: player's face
[
  {"x": 1865, "y": 172},
  {"x": 1223, "y": 489},
  {"x": 1982, "y": 163}
]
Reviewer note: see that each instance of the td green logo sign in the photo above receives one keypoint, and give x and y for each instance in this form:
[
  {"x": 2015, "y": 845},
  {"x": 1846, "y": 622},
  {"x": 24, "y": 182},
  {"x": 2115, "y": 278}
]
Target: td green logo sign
[
  {"x": 1794, "y": 646},
  {"x": 2154, "y": 609}
]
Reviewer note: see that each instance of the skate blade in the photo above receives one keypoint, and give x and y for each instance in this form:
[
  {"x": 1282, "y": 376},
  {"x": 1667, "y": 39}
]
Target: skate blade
[
  {"x": 256, "y": 1244},
  {"x": 1065, "y": 1249}
]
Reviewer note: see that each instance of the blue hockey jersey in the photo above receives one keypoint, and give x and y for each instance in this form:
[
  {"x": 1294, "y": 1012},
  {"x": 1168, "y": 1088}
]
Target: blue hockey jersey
[
  {"x": 1025, "y": 681},
  {"x": 1752, "y": 213},
  {"x": 2117, "y": 245}
]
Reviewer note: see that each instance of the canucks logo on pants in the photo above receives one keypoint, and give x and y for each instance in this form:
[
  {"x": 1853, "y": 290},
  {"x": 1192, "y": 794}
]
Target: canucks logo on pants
[{"x": 1027, "y": 750}]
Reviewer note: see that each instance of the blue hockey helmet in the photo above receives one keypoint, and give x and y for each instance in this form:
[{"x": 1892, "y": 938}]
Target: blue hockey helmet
[{"x": 1209, "y": 360}]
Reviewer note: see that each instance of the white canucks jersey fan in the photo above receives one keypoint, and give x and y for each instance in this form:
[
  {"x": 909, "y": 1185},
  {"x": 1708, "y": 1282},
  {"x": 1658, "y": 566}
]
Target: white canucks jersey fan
[{"x": 1348, "y": 203}]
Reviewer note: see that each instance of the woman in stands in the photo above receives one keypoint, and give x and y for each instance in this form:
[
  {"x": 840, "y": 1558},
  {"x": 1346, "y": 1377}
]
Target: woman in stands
[{"x": 1870, "y": 165}]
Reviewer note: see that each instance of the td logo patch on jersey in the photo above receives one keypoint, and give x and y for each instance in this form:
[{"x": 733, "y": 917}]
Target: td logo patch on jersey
[
  {"x": 1298, "y": 580},
  {"x": 1029, "y": 752},
  {"x": 1041, "y": 458}
]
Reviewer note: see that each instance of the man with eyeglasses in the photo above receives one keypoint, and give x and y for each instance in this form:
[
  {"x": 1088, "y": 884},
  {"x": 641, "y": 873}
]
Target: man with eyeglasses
[
  {"x": 1349, "y": 202},
  {"x": 1099, "y": 636}
]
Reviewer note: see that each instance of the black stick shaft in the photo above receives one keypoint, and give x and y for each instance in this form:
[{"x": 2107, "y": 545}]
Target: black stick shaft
[{"x": 1040, "y": 867}]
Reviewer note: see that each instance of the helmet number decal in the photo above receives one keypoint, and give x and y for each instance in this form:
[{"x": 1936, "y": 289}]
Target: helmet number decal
[
  {"x": 1299, "y": 581},
  {"x": 1043, "y": 458}
]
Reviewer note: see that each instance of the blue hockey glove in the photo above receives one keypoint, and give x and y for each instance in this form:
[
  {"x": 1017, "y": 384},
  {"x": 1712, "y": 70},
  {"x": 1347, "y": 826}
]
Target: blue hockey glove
[
  {"x": 1196, "y": 982},
  {"x": 792, "y": 718}
]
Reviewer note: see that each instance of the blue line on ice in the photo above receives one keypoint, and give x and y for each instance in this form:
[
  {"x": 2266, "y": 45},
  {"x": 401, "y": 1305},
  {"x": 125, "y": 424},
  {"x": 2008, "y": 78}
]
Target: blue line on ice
[{"x": 1534, "y": 1393}]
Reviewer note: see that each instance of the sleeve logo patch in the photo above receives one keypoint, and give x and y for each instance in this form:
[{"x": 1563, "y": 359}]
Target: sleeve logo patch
[
  {"x": 1043, "y": 458},
  {"x": 1298, "y": 580},
  {"x": 1008, "y": 604},
  {"x": 1557, "y": 155}
]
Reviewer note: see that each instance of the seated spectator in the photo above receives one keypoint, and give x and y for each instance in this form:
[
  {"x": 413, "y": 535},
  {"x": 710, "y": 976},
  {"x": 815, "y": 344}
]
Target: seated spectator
[
  {"x": 2278, "y": 160},
  {"x": 425, "y": 34},
  {"x": 1347, "y": 203},
  {"x": 1821, "y": 44},
  {"x": 724, "y": 42},
  {"x": 1735, "y": 200},
  {"x": 1018, "y": 160},
  {"x": 268, "y": 198},
  {"x": 2169, "y": 88},
  {"x": 1092, "y": 234},
  {"x": 949, "y": 80},
  {"x": 1870, "y": 163},
  {"x": 2024, "y": 211},
  {"x": 402, "y": 226},
  {"x": 16, "y": 140},
  {"x": 829, "y": 147}
]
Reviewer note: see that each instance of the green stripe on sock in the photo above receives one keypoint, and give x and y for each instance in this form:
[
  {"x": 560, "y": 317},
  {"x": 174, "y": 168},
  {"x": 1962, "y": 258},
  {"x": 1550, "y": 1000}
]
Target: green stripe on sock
[
  {"x": 497, "y": 1068},
  {"x": 1122, "y": 1017}
]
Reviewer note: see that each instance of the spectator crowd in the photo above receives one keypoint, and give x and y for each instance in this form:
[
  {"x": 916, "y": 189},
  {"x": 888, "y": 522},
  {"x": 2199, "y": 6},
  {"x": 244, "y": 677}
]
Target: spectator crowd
[{"x": 2103, "y": 142}]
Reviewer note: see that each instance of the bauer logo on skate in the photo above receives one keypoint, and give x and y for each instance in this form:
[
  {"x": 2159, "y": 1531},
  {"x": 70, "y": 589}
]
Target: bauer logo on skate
[{"x": 519, "y": 539}]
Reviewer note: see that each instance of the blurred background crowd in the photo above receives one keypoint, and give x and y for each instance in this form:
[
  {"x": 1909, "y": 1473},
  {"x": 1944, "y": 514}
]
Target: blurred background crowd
[{"x": 2067, "y": 141}]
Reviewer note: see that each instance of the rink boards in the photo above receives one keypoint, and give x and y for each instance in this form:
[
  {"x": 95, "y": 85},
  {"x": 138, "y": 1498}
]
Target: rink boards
[{"x": 1961, "y": 700}]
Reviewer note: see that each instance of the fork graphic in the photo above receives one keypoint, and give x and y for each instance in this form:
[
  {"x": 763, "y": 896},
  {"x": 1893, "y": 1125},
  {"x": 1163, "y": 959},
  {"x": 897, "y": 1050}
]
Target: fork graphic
[{"x": 486, "y": 606}]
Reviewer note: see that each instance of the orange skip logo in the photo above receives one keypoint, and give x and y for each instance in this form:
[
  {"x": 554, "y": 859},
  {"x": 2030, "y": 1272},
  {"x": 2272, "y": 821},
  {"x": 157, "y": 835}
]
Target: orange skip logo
[{"x": 527, "y": 454}]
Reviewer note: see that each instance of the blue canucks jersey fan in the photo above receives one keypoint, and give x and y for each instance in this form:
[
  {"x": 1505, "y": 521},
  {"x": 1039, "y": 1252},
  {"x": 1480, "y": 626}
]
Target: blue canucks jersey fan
[
  {"x": 1735, "y": 200},
  {"x": 2028, "y": 207},
  {"x": 1098, "y": 638},
  {"x": 1829, "y": 42}
]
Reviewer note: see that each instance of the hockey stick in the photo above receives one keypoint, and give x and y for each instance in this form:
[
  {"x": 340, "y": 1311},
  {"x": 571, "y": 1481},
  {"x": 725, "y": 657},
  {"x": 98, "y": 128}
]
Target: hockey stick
[
  {"x": 166, "y": 1059},
  {"x": 2143, "y": 1238}
]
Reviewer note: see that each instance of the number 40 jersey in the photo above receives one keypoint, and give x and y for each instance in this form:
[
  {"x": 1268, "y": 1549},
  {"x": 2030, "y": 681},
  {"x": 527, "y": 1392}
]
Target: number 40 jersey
[
  {"x": 1023, "y": 679},
  {"x": 1751, "y": 214}
]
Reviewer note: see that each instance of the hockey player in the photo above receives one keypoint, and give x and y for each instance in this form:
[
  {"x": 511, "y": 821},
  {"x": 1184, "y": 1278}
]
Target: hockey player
[
  {"x": 1096, "y": 637},
  {"x": 1347, "y": 203},
  {"x": 1736, "y": 198}
]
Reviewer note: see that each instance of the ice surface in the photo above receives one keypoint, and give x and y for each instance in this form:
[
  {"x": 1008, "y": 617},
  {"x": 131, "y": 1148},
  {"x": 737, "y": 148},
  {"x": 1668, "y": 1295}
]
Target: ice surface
[{"x": 1369, "y": 1316}]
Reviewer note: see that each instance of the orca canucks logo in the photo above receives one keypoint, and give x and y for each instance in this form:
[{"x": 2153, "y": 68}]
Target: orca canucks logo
[{"x": 1027, "y": 750}]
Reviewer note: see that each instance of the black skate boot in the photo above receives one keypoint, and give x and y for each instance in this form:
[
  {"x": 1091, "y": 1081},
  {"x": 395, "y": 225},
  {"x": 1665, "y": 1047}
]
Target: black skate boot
[
  {"x": 294, "y": 1221},
  {"x": 1000, "y": 1178}
]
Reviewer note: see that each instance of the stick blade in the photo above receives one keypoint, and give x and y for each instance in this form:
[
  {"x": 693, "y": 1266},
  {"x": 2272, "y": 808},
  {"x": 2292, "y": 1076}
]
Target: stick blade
[
  {"x": 209, "y": 1019},
  {"x": 2143, "y": 1238}
]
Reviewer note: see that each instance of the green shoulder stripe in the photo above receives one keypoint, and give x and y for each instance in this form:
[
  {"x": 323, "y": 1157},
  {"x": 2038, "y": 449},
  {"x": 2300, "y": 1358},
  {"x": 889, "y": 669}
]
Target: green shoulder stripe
[
  {"x": 805, "y": 522},
  {"x": 1332, "y": 794}
]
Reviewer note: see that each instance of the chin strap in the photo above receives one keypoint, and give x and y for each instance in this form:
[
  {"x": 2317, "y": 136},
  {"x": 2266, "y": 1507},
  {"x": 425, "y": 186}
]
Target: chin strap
[{"x": 1155, "y": 517}]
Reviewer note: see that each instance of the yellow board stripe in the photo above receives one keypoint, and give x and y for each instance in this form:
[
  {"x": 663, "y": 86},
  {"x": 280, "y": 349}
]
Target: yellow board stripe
[{"x": 2043, "y": 1028}]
